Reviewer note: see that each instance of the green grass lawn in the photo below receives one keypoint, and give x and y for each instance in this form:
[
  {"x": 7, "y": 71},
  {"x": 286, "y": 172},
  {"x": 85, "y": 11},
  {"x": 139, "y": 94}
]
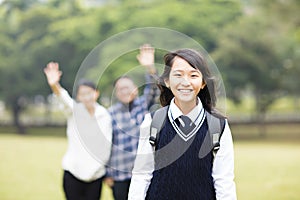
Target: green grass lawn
[
  {"x": 31, "y": 168},
  {"x": 267, "y": 170}
]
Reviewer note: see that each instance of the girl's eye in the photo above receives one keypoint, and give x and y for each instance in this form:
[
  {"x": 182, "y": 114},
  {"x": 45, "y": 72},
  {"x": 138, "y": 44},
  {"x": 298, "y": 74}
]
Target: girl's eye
[
  {"x": 195, "y": 75},
  {"x": 177, "y": 75}
]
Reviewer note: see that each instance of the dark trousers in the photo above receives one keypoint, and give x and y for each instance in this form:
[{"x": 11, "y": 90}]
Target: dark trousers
[
  {"x": 121, "y": 189},
  {"x": 79, "y": 190}
]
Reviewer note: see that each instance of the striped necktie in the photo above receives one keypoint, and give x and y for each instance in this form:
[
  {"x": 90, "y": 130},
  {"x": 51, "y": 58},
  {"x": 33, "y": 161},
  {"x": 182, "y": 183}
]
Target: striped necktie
[{"x": 185, "y": 124}]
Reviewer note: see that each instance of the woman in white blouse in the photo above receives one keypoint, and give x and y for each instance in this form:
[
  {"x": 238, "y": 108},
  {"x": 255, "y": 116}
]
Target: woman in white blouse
[
  {"x": 174, "y": 169},
  {"x": 89, "y": 134}
]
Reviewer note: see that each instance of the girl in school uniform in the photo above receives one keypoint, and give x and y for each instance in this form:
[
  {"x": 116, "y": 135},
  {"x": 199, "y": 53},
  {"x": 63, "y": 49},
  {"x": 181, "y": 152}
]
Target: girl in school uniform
[{"x": 174, "y": 168}]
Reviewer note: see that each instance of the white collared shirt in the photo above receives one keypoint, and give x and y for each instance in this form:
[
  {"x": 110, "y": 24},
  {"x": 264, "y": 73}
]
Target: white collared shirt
[
  {"x": 223, "y": 166},
  {"x": 89, "y": 139}
]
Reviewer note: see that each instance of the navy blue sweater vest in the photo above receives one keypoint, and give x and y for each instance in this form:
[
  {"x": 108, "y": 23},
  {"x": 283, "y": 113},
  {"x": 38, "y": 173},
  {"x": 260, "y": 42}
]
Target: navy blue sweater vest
[{"x": 179, "y": 172}]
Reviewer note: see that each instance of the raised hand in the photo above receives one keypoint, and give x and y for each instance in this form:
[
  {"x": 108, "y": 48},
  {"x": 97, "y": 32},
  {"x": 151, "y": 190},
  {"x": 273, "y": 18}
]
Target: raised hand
[
  {"x": 146, "y": 57},
  {"x": 52, "y": 73}
]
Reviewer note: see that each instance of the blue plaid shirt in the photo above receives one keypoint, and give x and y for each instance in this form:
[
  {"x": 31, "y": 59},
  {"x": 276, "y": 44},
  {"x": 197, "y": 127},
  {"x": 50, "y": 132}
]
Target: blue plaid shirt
[{"x": 126, "y": 127}]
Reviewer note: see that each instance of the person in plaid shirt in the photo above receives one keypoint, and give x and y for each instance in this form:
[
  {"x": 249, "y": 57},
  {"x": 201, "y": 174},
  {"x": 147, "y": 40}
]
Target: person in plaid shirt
[{"x": 127, "y": 115}]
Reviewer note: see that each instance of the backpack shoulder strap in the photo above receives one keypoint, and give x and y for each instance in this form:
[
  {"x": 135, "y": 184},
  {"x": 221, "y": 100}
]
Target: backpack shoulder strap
[
  {"x": 158, "y": 120},
  {"x": 216, "y": 127}
]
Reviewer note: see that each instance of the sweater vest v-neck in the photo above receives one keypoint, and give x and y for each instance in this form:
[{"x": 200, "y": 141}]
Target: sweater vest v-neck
[{"x": 179, "y": 172}]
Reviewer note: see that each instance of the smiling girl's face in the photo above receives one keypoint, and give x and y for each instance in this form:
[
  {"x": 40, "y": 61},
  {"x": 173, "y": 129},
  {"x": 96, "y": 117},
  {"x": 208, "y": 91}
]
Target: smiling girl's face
[{"x": 185, "y": 82}]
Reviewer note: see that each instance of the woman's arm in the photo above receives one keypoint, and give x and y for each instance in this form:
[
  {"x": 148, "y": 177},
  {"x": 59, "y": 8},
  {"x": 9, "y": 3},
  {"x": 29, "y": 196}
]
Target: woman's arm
[
  {"x": 223, "y": 168},
  {"x": 53, "y": 75},
  {"x": 144, "y": 164},
  {"x": 146, "y": 59}
]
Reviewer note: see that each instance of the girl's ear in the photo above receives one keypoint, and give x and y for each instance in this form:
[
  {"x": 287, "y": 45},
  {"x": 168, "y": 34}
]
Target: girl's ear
[{"x": 203, "y": 85}]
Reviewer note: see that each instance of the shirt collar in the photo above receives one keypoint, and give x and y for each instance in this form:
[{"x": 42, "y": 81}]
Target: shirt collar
[{"x": 196, "y": 114}]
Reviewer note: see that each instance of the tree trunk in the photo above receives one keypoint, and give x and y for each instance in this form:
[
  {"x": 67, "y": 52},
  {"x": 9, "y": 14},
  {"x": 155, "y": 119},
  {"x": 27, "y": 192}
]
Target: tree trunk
[
  {"x": 16, "y": 117},
  {"x": 260, "y": 115},
  {"x": 261, "y": 125}
]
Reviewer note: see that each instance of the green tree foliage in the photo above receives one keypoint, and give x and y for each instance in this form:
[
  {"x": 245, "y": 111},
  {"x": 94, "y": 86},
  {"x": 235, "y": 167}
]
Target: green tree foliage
[
  {"x": 286, "y": 19},
  {"x": 199, "y": 19},
  {"x": 257, "y": 53},
  {"x": 202, "y": 20},
  {"x": 32, "y": 38},
  {"x": 248, "y": 60}
]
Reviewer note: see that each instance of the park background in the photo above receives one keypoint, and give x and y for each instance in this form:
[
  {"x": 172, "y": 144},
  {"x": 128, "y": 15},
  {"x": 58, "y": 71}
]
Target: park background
[{"x": 255, "y": 45}]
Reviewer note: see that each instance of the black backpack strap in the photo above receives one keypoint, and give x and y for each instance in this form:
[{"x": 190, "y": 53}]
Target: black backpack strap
[
  {"x": 158, "y": 120},
  {"x": 215, "y": 128}
]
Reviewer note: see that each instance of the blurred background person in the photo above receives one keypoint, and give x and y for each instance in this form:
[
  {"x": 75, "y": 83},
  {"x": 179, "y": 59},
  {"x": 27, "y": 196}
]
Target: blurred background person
[
  {"x": 127, "y": 115},
  {"x": 83, "y": 173}
]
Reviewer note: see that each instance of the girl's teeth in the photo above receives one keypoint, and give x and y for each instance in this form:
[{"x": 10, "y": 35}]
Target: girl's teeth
[{"x": 185, "y": 90}]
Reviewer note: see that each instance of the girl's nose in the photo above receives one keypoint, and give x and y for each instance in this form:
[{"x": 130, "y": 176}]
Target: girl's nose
[{"x": 185, "y": 81}]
